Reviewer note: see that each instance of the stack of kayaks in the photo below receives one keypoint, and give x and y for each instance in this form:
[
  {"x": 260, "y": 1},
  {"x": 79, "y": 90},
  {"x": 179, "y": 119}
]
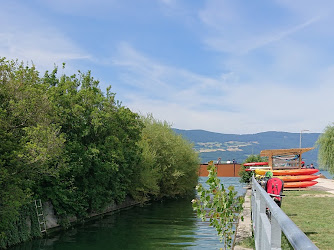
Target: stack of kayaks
[{"x": 293, "y": 178}]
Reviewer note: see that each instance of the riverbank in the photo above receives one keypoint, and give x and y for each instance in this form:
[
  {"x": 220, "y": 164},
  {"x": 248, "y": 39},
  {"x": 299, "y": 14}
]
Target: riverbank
[{"x": 52, "y": 220}]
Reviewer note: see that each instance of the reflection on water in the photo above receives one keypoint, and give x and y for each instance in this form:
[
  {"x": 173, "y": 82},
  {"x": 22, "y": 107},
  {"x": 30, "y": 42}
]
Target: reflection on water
[{"x": 160, "y": 225}]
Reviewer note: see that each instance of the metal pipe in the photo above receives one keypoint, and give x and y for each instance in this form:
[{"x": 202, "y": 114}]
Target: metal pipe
[{"x": 300, "y": 137}]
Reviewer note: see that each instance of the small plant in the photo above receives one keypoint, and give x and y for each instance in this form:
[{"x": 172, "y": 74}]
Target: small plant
[{"x": 222, "y": 207}]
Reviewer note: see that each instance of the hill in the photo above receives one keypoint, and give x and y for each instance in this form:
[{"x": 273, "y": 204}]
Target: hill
[{"x": 212, "y": 145}]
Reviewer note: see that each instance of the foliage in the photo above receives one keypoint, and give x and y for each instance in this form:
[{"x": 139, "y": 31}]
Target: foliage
[
  {"x": 101, "y": 152},
  {"x": 245, "y": 176},
  {"x": 30, "y": 140},
  {"x": 63, "y": 139},
  {"x": 326, "y": 149},
  {"x": 221, "y": 206},
  {"x": 23, "y": 228},
  {"x": 169, "y": 166}
]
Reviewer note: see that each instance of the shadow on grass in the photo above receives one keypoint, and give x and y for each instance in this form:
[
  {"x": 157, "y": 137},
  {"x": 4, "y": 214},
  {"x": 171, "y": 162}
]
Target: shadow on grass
[
  {"x": 309, "y": 233},
  {"x": 291, "y": 215}
]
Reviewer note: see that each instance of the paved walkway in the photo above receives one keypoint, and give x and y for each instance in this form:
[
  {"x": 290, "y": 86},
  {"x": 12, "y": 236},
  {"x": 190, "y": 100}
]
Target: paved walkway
[
  {"x": 244, "y": 228},
  {"x": 324, "y": 185}
]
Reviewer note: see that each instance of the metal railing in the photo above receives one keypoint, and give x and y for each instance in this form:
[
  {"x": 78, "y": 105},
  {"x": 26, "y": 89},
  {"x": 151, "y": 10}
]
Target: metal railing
[{"x": 269, "y": 221}]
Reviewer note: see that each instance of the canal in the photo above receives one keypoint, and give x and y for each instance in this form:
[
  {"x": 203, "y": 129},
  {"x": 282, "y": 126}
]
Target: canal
[{"x": 159, "y": 225}]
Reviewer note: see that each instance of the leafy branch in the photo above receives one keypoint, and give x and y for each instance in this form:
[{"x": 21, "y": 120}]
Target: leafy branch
[{"x": 218, "y": 205}]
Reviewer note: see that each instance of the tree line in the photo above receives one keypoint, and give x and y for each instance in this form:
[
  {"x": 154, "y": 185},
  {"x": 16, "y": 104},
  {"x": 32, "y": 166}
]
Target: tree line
[{"x": 66, "y": 141}]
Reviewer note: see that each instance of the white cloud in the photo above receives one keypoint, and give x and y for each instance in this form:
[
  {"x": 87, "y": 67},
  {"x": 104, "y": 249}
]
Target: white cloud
[
  {"x": 232, "y": 29},
  {"x": 152, "y": 79},
  {"x": 274, "y": 76},
  {"x": 256, "y": 43},
  {"x": 32, "y": 38},
  {"x": 192, "y": 101}
]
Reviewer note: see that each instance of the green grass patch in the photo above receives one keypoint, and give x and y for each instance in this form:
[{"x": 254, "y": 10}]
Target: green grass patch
[
  {"x": 247, "y": 243},
  {"x": 313, "y": 212}
]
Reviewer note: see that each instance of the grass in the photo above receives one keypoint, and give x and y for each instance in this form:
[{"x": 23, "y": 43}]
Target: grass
[{"x": 313, "y": 212}]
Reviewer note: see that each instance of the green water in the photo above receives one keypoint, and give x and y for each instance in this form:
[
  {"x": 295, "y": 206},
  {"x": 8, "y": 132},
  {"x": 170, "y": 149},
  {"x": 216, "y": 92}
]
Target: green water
[{"x": 159, "y": 225}]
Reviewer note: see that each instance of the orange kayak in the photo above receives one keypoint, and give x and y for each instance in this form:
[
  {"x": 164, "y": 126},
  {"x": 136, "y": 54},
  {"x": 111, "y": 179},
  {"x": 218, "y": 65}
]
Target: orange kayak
[
  {"x": 299, "y": 184},
  {"x": 288, "y": 178},
  {"x": 302, "y": 171}
]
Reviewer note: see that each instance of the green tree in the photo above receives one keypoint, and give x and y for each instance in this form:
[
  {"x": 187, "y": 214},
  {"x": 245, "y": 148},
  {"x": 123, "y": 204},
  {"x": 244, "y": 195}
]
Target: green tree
[
  {"x": 30, "y": 139},
  {"x": 326, "y": 149},
  {"x": 63, "y": 139},
  {"x": 245, "y": 176},
  {"x": 101, "y": 151},
  {"x": 169, "y": 167}
]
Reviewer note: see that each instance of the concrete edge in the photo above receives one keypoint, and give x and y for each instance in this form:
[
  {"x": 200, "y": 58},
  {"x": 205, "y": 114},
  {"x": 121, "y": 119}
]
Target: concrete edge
[{"x": 244, "y": 228}]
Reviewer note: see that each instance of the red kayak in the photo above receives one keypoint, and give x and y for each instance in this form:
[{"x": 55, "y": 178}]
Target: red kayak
[
  {"x": 299, "y": 184},
  {"x": 256, "y": 164},
  {"x": 289, "y": 178}
]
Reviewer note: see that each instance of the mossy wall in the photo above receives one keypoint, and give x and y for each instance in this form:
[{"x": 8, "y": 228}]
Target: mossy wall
[{"x": 24, "y": 228}]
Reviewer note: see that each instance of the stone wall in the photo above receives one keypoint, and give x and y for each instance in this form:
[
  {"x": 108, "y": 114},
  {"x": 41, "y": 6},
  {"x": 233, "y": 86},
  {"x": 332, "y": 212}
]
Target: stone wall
[{"x": 52, "y": 219}]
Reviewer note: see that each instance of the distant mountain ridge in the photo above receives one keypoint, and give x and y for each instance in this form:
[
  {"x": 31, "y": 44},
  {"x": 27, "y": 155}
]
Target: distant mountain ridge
[{"x": 212, "y": 145}]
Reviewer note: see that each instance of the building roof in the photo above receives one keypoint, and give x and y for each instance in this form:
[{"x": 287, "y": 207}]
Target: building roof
[{"x": 288, "y": 151}]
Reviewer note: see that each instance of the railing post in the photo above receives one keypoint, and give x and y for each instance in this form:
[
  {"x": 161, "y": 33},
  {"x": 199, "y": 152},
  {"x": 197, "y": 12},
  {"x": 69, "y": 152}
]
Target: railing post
[
  {"x": 257, "y": 218},
  {"x": 276, "y": 234},
  {"x": 261, "y": 222}
]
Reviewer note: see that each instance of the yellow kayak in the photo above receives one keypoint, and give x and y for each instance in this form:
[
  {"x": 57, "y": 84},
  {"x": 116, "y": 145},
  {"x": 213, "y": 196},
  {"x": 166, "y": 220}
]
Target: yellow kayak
[{"x": 302, "y": 171}]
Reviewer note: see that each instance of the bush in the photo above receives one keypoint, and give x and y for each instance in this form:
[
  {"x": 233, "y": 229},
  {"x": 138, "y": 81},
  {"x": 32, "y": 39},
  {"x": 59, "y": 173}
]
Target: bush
[
  {"x": 169, "y": 166},
  {"x": 247, "y": 175}
]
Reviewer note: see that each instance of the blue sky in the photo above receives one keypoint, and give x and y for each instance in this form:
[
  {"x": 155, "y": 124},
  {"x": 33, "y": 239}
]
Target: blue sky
[{"x": 223, "y": 66}]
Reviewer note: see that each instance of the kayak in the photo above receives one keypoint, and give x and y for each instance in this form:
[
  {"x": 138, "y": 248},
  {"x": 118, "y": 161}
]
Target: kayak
[
  {"x": 255, "y": 164},
  {"x": 302, "y": 171},
  {"x": 257, "y": 167},
  {"x": 299, "y": 184},
  {"x": 288, "y": 178}
]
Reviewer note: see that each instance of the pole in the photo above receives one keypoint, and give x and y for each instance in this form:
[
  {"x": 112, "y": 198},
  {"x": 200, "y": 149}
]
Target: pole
[{"x": 300, "y": 137}]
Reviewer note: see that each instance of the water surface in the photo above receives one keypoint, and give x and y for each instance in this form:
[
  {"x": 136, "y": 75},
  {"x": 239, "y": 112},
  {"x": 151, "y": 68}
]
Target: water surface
[{"x": 160, "y": 225}]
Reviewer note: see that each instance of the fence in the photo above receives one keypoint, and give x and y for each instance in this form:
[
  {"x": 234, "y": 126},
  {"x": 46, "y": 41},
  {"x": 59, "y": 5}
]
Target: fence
[
  {"x": 223, "y": 170},
  {"x": 269, "y": 221}
]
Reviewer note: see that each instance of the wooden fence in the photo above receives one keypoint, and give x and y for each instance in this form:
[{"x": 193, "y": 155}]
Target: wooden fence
[{"x": 223, "y": 170}]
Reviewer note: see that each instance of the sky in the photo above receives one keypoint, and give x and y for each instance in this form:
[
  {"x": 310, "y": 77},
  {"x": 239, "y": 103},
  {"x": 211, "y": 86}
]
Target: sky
[{"x": 237, "y": 66}]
